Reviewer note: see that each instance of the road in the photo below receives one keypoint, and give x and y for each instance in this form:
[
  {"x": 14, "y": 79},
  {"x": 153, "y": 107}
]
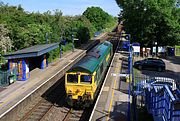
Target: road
[{"x": 172, "y": 70}]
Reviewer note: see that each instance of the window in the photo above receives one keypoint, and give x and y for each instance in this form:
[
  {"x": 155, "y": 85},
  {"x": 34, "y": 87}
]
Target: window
[
  {"x": 86, "y": 78},
  {"x": 72, "y": 78}
]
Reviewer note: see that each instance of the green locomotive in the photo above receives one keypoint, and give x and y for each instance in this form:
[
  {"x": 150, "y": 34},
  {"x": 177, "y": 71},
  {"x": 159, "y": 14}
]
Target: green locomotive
[{"x": 83, "y": 80}]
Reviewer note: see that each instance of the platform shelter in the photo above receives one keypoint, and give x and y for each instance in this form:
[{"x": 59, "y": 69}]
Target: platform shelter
[{"x": 28, "y": 59}]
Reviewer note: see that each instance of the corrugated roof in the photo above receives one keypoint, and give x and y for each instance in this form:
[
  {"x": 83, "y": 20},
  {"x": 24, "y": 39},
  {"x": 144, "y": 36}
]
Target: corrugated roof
[{"x": 33, "y": 51}]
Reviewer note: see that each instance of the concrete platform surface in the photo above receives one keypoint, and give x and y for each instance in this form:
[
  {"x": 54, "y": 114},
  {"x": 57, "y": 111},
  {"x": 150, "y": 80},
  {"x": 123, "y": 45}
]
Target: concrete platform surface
[{"x": 112, "y": 102}]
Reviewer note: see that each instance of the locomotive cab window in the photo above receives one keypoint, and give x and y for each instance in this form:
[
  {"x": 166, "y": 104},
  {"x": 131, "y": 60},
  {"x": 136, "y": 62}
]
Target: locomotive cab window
[
  {"x": 72, "y": 78},
  {"x": 86, "y": 78}
]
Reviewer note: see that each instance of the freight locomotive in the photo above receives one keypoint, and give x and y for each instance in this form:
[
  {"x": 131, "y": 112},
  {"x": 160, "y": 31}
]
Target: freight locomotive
[{"x": 83, "y": 80}]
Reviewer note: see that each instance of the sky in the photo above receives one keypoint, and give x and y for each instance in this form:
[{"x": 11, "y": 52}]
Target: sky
[{"x": 68, "y": 7}]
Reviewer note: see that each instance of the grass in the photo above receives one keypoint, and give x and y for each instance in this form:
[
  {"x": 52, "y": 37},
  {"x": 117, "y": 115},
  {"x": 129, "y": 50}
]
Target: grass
[
  {"x": 67, "y": 47},
  {"x": 177, "y": 46},
  {"x": 177, "y": 50},
  {"x": 137, "y": 74},
  {"x": 141, "y": 112}
]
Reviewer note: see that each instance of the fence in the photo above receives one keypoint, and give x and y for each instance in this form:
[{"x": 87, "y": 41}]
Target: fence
[
  {"x": 144, "y": 79},
  {"x": 163, "y": 104},
  {"x": 162, "y": 96},
  {"x": 5, "y": 77}
]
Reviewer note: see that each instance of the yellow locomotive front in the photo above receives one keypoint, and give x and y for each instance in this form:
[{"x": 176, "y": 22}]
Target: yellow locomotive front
[{"x": 80, "y": 88}]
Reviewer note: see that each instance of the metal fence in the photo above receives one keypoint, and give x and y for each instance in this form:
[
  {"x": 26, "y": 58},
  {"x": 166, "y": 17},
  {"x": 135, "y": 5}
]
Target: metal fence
[
  {"x": 161, "y": 94},
  {"x": 6, "y": 75},
  {"x": 163, "y": 104},
  {"x": 142, "y": 79},
  {"x": 4, "y": 81}
]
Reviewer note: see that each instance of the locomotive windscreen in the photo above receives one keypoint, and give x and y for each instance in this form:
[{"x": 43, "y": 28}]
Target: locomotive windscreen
[
  {"x": 72, "y": 78},
  {"x": 86, "y": 78}
]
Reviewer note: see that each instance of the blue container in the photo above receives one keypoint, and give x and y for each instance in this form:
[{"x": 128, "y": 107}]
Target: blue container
[
  {"x": 125, "y": 45},
  {"x": 171, "y": 51}
]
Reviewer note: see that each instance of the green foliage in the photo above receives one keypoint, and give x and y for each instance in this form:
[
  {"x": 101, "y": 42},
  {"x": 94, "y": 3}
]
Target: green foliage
[
  {"x": 30, "y": 35},
  {"x": 99, "y": 18},
  {"x": 26, "y": 29},
  {"x": 5, "y": 41},
  {"x": 67, "y": 47},
  {"x": 52, "y": 55},
  {"x": 150, "y": 21},
  {"x": 84, "y": 29}
]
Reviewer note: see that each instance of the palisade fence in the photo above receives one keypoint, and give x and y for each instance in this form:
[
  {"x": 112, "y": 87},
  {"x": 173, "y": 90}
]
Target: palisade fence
[{"x": 6, "y": 75}]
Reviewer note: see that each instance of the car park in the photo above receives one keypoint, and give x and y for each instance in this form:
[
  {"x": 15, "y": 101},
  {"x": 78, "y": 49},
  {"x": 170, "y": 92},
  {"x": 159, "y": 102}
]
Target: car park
[{"x": 150, "y": 64}]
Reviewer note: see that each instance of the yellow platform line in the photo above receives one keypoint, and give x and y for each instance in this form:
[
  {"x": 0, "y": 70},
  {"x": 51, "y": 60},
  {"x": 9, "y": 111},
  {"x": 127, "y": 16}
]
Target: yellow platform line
[{"x": 110, "y": 105}]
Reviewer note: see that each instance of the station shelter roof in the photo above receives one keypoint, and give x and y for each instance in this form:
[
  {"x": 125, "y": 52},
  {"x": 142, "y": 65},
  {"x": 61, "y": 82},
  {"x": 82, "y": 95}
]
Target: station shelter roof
[{"x": 33, "y": 51}]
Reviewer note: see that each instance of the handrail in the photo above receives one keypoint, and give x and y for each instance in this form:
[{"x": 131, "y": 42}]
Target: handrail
[
  {"x": 161, "y": 101},
  {"x": 170, "y": 93}
]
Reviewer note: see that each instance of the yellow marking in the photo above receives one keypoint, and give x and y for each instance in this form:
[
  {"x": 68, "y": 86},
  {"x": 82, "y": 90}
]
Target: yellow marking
[{"x": 110, "y": 105}]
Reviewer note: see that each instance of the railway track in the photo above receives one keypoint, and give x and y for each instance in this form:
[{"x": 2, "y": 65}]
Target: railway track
[
  {"x": 38, "y": 111},
  {"x": 73, "y": 115},
  {"x": 45, "y": 105},
  {"x": 53, "y": 108}
]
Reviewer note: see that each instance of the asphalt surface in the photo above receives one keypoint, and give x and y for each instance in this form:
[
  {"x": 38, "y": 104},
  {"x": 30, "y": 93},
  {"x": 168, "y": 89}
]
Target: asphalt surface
[{"x": 172, "y": 70}]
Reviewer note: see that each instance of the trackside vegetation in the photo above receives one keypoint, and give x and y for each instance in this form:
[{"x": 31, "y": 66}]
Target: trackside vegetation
[{"x": 20, "y": 29}]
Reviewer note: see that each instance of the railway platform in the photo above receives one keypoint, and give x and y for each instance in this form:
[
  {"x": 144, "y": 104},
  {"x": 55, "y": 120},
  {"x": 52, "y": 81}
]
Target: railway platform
[
  {"x": 112, "y": 102},
  {"x": 16, "y": 93}
]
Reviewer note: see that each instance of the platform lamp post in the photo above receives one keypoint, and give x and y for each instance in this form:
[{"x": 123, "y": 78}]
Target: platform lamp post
[
  {"x": 155, "y": 49},
  {"x": 46, "y": 38},
  {"x": 127, "y": 37},
  {"x": 60, "y": 46},
  {"x": 72, "y": 42}
]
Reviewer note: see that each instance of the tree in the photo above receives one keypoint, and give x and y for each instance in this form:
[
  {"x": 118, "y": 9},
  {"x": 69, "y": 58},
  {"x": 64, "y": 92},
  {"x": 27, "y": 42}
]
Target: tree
[
  {"x": 98, "y": 17},
  {"x": 84, "y": 30},
  {"x": 5, "y": 41},
  {"x": 150, "y": 21}
]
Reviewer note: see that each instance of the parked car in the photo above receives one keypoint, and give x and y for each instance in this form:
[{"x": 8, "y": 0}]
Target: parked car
[{"x": 150, "y": 64}]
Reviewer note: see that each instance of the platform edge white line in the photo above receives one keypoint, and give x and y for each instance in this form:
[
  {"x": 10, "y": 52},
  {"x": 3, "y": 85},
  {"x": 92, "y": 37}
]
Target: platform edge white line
[{"x": 103, "y": 84}]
